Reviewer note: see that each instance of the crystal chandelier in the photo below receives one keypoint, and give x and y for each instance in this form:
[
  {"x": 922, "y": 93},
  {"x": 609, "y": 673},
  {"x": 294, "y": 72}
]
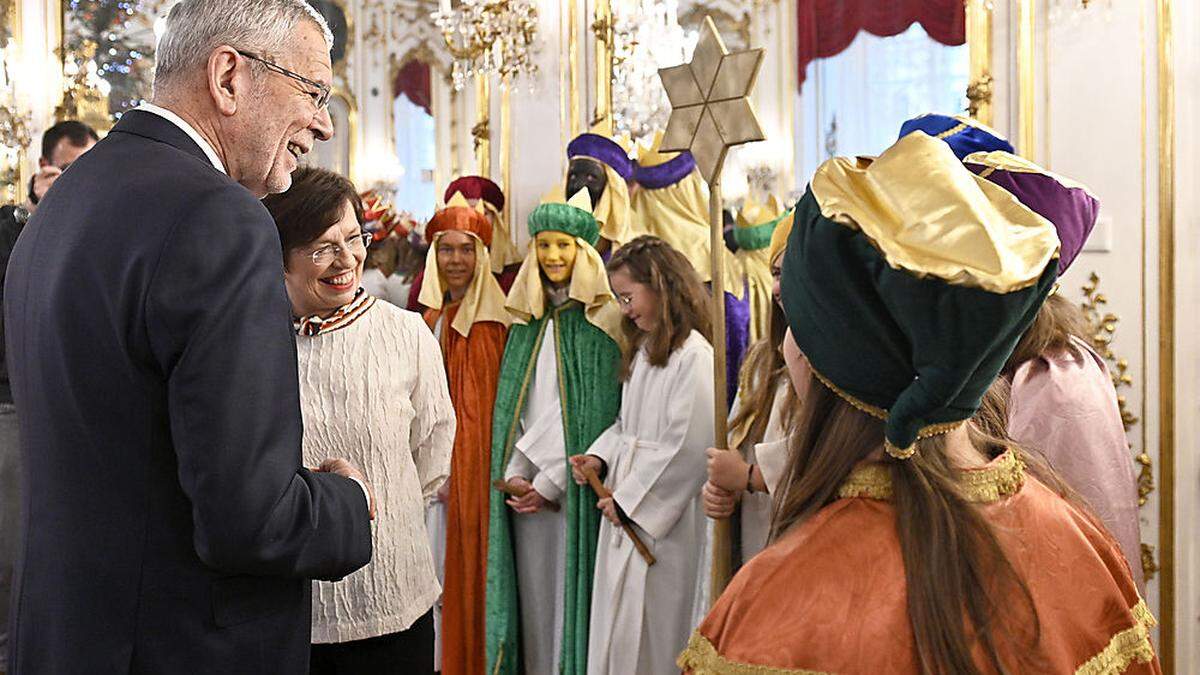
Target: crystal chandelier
[
  {"x": 647, "y": 36},
  {"x": 490, "y": 37}
]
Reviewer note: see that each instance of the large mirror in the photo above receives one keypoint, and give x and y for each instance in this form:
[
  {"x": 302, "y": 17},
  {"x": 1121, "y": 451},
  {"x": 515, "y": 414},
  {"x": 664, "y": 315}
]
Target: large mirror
[
  {"x": 108, "y": 56},
  {"x": 414, "y": 132}
]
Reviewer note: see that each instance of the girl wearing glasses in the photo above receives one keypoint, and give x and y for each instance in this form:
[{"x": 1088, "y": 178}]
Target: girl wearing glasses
[
  {"x": 373, "y": 389},
  {"x": 653, "y": 461}
]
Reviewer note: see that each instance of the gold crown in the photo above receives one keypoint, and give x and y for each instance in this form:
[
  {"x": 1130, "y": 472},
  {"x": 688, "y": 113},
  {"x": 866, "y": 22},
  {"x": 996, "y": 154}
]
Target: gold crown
[
  {"x": 580, "y": 200},
  {"x": 457, "y": 199},
  {"x": 754, "y": 212},
  {"x": 604, "y": 129},
  {"x": 652, "y": 154}
]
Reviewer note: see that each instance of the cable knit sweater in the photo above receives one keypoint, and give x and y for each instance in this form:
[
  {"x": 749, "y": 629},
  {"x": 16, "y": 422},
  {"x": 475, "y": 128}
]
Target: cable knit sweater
[{"x": 373, "y": 390}]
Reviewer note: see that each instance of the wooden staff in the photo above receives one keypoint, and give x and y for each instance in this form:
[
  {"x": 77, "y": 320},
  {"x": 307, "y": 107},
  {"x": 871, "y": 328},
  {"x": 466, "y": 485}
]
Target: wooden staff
[
  {"x": 723, "y": 88},
  {"x": 603, "y": 493},
  {"x": 514, "y": 491},
  {"x": 722, "y": 558}
]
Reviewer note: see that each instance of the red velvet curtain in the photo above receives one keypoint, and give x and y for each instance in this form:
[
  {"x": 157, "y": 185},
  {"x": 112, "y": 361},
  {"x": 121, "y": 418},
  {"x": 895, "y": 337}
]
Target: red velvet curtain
[
  {"x": 826, "y": 27},
  {"x": 412, "y": 80}
]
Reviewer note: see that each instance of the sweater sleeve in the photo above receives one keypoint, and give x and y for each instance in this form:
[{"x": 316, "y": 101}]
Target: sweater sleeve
[{"x": 431, "y": 437}]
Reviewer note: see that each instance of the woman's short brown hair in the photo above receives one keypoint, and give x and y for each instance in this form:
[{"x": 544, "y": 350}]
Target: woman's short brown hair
[{"x": 312, "y": 205}]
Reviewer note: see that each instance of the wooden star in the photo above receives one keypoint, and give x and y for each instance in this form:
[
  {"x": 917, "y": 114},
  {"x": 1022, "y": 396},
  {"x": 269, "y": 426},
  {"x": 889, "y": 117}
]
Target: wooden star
[{"x": 710, "y": 101}]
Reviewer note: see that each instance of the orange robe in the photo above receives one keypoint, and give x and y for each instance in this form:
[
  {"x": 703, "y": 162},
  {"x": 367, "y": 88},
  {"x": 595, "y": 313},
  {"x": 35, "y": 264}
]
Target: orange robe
[
  {"x": 830, "y": 596},
  {"x": 473, "y": 372}
]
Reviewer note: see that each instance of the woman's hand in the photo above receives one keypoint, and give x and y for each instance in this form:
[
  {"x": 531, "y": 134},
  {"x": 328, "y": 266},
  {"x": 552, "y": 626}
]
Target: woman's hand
[
  {"x": 578, "y": 462},
  {"x": 718, "y": 503},
  {"x": 531, "y": 502},
  {"x": 609, "y": 508},
  {"x": 727, "y": 470}
]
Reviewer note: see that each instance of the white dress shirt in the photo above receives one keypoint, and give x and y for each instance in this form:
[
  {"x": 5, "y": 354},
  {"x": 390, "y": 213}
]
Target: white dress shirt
[{"x": 189, "y": 130}]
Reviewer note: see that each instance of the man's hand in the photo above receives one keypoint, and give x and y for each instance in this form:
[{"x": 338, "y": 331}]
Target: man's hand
[
  {"x": 532, "y": 502},
  {"x": 44, "y": 178},
  {"x": 609, "y": 508},
  {"x": 727, "y": 470},
  {"x": 578, "y": 462},
  {"x": 718, "y": 503},
  {"x": 443, "y": 493},
  {"x": 342, "y": 467}
]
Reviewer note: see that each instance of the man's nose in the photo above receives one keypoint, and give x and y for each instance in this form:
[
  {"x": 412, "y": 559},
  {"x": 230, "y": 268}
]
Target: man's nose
[{"x": 322, "y": 125}]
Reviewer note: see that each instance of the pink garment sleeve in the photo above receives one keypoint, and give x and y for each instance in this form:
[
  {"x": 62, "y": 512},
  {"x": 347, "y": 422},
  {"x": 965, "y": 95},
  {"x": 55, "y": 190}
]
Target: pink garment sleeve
[{"x": 1064, "y": 406}]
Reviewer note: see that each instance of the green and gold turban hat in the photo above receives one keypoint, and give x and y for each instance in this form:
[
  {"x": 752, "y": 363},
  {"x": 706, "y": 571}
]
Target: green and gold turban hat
[
  {"x": 756, "y": 223},
  {"x": 907, "y": 281},
  {"x": 573, "y": 217}
]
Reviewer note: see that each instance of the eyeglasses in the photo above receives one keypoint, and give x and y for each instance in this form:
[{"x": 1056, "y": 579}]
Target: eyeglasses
[
  {"x": 320, "y": 98},
  {"x": 330, "y": 252}
]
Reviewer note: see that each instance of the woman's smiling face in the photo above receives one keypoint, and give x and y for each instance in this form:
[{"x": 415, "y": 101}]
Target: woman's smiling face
[{"x": 324, "y": 275}]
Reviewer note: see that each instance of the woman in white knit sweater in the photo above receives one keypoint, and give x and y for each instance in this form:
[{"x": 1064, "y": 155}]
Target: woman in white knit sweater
[{"x": 373, "y": 387}]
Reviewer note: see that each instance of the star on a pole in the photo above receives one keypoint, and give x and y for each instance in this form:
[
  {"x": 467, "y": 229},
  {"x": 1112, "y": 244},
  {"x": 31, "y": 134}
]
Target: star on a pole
[{"x": 710, "y": 105}]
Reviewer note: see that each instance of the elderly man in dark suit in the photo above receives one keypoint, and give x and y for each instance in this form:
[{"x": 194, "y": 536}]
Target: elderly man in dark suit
[{"x": 167, "y": 523}]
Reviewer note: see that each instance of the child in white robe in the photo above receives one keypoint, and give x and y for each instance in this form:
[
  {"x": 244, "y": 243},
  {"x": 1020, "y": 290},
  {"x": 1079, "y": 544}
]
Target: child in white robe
[{"x": 653, "y": 460}]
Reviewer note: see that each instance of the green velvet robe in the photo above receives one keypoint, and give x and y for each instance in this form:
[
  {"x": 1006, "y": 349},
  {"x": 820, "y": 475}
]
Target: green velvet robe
[{"x": 589, "y": 363}]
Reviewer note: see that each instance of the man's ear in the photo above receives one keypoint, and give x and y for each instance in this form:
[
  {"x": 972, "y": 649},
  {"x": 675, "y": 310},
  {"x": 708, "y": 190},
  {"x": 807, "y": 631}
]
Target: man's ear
[{"x": 226, "y": 82}]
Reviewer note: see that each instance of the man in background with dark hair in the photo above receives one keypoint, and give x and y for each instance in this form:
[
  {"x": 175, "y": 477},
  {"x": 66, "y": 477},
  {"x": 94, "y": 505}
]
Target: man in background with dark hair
[{"x": 62, "y": 144}]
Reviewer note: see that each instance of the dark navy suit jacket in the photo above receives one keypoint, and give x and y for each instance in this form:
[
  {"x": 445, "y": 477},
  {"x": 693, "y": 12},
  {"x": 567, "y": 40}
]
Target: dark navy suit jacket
[{"x": 167, "y": 523}]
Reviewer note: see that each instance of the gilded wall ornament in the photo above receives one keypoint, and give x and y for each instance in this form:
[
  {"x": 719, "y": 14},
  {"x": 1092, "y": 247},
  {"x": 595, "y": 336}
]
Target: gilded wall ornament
[{"x": 1103, "y": 325}]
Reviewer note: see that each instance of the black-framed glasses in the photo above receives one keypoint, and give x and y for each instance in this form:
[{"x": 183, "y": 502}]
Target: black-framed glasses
[{"x": 320, "y": 97}]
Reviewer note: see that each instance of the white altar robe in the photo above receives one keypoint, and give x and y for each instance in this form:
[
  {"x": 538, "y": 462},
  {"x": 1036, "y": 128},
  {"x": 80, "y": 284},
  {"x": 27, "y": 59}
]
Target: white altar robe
[
  {"x": 539, "y": 539},
  {"x": 642, "y": 616},
  {"x": 771, "y": 456},
  {"x": 756, "y": 508}
]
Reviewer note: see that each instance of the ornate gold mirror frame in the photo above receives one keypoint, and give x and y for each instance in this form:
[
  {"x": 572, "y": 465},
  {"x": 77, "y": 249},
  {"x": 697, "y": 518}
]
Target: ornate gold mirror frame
[{"x": 979, "y": 44}]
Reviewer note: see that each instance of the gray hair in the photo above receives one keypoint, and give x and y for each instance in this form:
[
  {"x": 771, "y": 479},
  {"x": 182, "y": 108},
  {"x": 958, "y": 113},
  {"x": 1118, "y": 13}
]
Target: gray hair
[{"x": 196, "y": 27}]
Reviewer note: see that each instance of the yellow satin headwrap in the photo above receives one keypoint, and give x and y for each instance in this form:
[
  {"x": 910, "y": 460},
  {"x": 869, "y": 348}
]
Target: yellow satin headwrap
[
  {"x": 589, "y": 285},
  {"x": 612, "y": 211},
  {"x": 678, "y": 214},
  {"x": 780, "y": 236},
  {"x": 484, "y": 300},
  {"x": 1005, "y": 248},
  {"x": 503, "y": 252}
]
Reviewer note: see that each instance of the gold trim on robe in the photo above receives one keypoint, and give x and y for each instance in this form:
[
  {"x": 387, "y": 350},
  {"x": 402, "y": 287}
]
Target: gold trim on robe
[{"x": 830, "y": 594}]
